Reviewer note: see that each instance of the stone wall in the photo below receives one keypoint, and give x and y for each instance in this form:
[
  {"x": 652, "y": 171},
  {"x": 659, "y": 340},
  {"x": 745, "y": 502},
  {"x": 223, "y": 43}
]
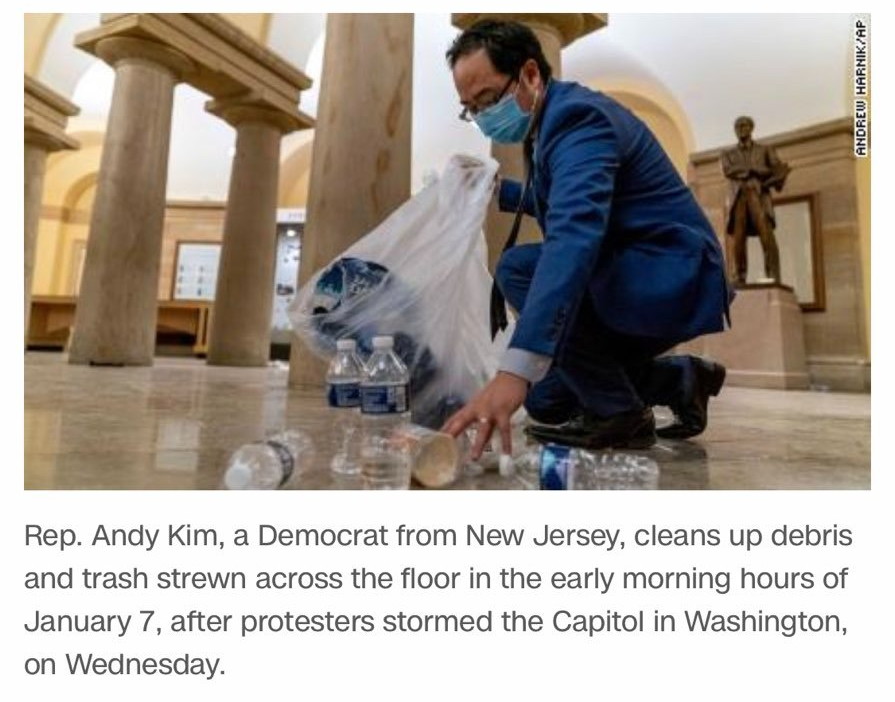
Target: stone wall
[{"x": 187, "y": 222}]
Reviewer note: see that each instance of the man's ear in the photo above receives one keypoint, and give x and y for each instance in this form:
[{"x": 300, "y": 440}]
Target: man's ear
[{"x": 531, "y": 75}]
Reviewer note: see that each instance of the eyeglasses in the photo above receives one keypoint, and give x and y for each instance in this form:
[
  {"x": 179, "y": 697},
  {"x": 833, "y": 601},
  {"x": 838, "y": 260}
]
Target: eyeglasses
[{"x": 469, "y": 113}]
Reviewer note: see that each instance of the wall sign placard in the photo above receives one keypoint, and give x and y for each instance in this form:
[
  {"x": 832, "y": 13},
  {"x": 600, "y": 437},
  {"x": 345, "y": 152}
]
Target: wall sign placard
[{"x": 196, "y": 271}]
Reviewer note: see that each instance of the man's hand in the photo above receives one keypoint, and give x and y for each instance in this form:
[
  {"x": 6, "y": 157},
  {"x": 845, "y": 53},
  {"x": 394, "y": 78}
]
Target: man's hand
[
  {"x": 492, "y": 407},
  {"x": 472, "y": 169}
]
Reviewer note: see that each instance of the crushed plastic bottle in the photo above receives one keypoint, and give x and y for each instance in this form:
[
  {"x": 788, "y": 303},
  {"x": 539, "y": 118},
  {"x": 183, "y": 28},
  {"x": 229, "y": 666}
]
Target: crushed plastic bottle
[
  {"x": 555, "y": 467},
  {"x": 274, "y": 463}
]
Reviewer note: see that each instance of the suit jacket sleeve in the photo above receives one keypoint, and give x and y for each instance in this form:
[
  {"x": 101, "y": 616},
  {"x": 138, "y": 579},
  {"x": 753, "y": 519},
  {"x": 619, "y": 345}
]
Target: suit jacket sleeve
[{"x": 579, "y": 158}]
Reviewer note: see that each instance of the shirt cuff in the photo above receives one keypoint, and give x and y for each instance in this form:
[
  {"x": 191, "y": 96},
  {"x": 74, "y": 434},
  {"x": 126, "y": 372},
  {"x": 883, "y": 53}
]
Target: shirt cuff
[{"x": 525, "y": 364}]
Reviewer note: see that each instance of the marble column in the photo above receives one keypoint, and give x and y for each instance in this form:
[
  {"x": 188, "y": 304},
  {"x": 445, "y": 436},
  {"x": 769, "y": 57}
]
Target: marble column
[
  {"x": 35, "y": 166},
  {"x": 554, "y": 31},
  {"x": 115, "y": 321},
  {"x": 360, "y": 170},
  {"x": 46, "y": 116},
  {"x": 241, "y": 319}
]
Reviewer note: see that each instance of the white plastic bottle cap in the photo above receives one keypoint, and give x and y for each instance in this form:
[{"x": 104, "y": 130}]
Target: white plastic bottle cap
[
  {"x": 346, "y": 344},
  {"x": 383, "y": 342},
  {"x": 238, "y": 476},
  {"x": 506, "y": 465}
]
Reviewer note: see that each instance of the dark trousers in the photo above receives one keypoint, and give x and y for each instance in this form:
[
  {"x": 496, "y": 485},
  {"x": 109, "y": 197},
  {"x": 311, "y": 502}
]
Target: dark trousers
[{"x": 595, "y": 369}]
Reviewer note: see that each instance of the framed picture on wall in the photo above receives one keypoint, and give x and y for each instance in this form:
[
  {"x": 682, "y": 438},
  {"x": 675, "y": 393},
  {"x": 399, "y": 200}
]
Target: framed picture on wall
[
  {"x": 196, "y": 270},
  {"x": 801, "y": 254},
  {"x": 285, "y": 280}
]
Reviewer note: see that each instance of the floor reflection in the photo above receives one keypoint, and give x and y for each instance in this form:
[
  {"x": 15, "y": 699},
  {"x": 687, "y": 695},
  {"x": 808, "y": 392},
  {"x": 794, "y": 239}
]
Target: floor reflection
[{"x": 172, "y": 426}]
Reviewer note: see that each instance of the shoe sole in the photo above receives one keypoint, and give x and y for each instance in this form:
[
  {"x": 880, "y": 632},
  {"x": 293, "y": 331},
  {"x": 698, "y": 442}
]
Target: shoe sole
[
  {"x": 638, "y": 441},
  {"x": 677, "y": 434}
]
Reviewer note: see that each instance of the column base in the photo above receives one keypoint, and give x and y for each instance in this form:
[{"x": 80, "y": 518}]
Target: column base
[{"x": 307, "y": 371}]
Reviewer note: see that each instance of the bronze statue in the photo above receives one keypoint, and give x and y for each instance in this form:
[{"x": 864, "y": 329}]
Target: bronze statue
[{"x": 752, "y": 169}]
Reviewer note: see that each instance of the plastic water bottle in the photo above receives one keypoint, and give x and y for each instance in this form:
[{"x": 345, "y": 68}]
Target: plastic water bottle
[
  {"x": 344, "y": 376},
  {"x": 555, "y": 467},
  {"x": 385, "y": 388},
  {"x": 270, "y": 464},
  {"x": 385, "y": 406},
  {"x": 346, "y": 442}
]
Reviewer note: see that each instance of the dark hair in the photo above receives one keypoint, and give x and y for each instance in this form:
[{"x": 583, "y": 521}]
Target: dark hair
[
  {"x": 744, "y": 118},
  {"x": 508, "y": 45}
]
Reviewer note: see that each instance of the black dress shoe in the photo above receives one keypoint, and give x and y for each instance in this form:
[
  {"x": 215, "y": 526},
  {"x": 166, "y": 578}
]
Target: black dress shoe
[
  {"x": 692, "y": 416},
  {"x": 635, "y": 429}
]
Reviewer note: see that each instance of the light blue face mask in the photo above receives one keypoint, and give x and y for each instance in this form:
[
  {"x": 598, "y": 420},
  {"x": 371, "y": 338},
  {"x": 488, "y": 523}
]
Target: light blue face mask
[{"x": 505, "y": 122}]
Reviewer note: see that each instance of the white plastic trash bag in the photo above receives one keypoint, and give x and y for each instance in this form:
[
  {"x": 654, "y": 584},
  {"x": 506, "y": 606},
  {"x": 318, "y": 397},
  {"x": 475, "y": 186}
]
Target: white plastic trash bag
[{"x": 420, "y": 276}]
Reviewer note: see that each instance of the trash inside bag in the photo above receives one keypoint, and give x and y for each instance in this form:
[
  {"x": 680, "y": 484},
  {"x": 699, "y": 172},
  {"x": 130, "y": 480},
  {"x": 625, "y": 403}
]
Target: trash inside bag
[{"x": 421, "y": 277}]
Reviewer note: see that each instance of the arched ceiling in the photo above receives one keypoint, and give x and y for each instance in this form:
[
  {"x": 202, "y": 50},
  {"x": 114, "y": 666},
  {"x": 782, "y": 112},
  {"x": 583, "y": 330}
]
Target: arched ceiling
[
  {"x": 786, "y": 70},
  {"x": 62, "y": 65}
]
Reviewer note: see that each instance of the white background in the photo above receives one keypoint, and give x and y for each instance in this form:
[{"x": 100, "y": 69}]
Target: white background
[
  {"x": 475, "y": 666},
  {"x": 468, "y": 666}
]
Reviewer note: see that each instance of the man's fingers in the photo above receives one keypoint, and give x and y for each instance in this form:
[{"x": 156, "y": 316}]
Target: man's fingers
[
  {"x": 483, "y": 430},
  {"x": 506, "y": 434},
  {"x": 462, "y": 419},
  {"x": 458, "y": 422},
  {"x": 453, "y": 427}
]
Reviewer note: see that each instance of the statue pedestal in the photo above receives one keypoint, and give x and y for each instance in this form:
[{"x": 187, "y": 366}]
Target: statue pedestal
[{"x": 765, "y": 347}]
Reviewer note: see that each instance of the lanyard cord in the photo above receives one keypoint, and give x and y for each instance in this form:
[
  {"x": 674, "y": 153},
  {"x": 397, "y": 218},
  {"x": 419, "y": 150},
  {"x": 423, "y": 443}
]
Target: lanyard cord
[{"x": 499, "y": 320}]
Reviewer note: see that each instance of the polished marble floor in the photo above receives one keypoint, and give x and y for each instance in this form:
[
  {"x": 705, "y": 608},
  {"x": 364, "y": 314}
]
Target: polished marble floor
[{"x": 173, "y": 425}]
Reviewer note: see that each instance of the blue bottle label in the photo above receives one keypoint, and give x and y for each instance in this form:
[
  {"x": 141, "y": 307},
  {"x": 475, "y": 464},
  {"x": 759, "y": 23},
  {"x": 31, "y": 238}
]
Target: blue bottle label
[
  {"x": 556, "y": 467},
  {"x": 344, "y": 395},
  {"x": 287, "y": 460},
  {"x": 384, "y": 399}
]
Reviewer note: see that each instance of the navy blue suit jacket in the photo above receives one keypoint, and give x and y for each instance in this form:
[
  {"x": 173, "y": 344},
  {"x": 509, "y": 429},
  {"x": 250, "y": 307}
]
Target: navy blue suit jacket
[{"x": 619, "y": 225}]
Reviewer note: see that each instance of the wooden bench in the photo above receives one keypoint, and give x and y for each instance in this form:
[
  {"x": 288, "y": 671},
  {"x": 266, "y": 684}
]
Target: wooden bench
[{"x": 52, "y": 317}]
